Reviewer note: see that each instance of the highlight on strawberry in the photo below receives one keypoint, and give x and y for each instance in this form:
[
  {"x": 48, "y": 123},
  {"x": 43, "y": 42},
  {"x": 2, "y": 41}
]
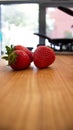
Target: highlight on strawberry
[
  {"x": 18, "y": 57},
  {"x": 43, "y": 56}
]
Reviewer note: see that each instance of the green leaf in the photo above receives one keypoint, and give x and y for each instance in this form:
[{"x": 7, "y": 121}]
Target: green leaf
[
  {"x": 9, "y": 50},
  {"x": 12, "y": 58},
  {"x": 5, "y": 57}
]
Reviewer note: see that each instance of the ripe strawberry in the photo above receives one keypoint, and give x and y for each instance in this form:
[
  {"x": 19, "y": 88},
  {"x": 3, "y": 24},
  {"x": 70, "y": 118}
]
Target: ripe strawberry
[
  {"x": 20, "y": 47},
  {"x": 17, "y": 59},
  {"x": 43, "y": 57}
]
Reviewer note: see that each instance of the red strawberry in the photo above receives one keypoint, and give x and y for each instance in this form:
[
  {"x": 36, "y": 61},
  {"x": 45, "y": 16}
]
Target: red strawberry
[
  {"x": 20, "y": 47},
  {"x": 43, "y": 57},
  {"x": 17, "y": 59}
]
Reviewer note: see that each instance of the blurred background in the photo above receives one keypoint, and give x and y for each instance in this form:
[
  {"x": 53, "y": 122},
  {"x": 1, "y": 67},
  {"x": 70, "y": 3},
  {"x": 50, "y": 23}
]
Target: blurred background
[{"x": 18, "y": 22}]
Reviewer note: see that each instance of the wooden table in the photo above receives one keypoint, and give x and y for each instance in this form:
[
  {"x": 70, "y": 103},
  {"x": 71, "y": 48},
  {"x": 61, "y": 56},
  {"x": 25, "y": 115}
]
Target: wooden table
[{"x": 35, "y": 99}]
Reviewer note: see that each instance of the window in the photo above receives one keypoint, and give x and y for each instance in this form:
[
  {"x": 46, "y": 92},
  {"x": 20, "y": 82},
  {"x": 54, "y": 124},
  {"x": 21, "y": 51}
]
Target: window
[
  {"x": 19, "y": 22},
  {"x": 58, "y": 23}
]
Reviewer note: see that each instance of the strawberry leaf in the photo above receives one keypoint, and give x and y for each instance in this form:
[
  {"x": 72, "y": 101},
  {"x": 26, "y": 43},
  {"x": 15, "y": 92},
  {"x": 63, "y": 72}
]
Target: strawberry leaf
[
  {"x": 9, "y": 49},
  {"x": 12, "y": 58},
  {"x": 5, "y": 57}
]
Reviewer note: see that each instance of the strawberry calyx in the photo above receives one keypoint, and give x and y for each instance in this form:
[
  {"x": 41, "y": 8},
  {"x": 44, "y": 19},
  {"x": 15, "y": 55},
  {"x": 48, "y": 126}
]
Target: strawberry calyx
[
  {"x": 12, "y": 58},
  {"x": 9, "y": 50},
  {"x": 10, "y": 54}
]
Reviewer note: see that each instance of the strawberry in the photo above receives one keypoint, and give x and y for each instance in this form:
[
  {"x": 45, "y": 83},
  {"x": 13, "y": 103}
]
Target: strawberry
[
  {"x": 20, "y": 47},
  {"x": 17, "y": 59},
  {"x": 43, "y": 57}
]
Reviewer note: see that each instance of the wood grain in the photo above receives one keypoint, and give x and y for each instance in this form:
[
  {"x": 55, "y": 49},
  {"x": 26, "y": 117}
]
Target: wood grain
[{"x": 35, "y": 99}]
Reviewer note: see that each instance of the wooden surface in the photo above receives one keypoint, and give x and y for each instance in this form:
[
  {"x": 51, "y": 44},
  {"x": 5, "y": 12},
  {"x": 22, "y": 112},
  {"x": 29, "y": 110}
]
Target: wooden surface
[{"x": 35, "y": 99}]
